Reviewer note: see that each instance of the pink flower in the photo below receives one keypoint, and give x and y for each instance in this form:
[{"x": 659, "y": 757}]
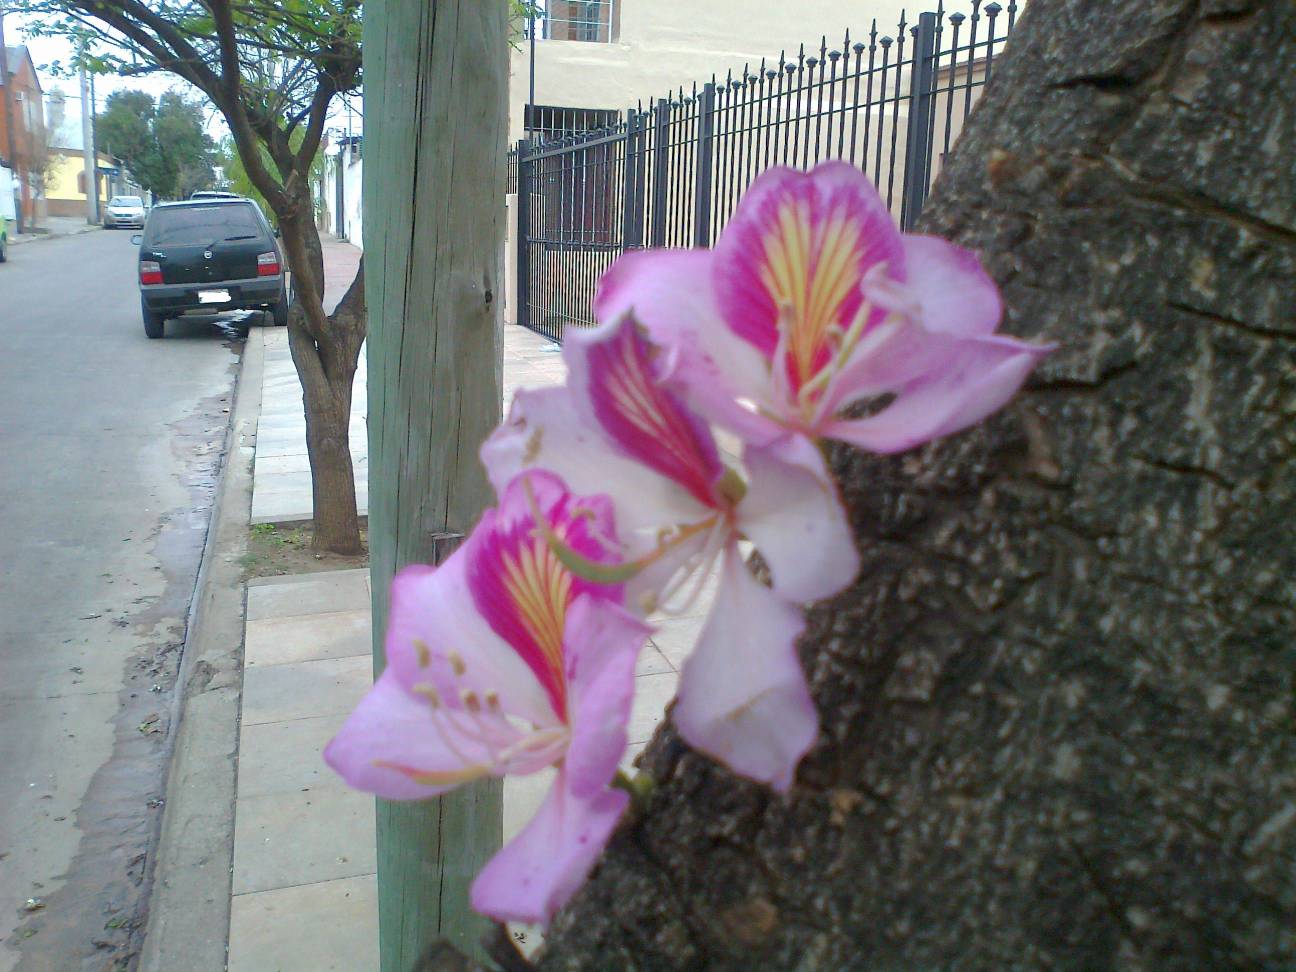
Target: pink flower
[
  {"x": 501, "y": 662},
  {"x": 811, "y": 302},
  {"x": 620, "y": 429}
]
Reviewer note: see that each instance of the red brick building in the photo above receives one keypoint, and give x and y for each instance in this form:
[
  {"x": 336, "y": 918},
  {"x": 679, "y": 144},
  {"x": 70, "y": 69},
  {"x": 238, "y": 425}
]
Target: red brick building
[{"x": 22, "y": 89}]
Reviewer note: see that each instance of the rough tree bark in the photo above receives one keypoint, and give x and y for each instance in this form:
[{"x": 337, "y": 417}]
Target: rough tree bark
[{"x": 1058, "y": 702}]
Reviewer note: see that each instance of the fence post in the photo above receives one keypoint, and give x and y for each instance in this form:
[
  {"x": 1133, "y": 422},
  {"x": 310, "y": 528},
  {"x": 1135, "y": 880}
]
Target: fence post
[
  {"x": 702, "y": 187},
  {"x": 522, "y": 286},
  {"x": 918, "y": 138},
  {"x": 661, "y": 171},
  {"x": 632, "y": 189}
]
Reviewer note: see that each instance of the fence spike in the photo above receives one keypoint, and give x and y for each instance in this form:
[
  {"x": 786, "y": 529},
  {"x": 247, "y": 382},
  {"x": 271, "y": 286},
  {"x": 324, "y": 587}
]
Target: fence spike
[
  {"x": 992, "y": 10},
  {"x": 873, "y": 35}
]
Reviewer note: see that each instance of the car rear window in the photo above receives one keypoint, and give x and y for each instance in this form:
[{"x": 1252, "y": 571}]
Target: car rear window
[
  {"x": 201, "y": 224},
  {"x": 125, "y": 201}
]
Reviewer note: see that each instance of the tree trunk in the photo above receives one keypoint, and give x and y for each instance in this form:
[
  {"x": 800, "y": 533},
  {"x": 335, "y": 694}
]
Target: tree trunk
[
  {"x": 325, "y": 351},
  {"x": 1058, "y": 703},
  {"x": 436, "y": 86}
]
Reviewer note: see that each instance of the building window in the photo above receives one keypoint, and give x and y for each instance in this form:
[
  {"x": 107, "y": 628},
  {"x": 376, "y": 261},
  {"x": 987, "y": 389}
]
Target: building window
[
  {"x": 81, "y": 183},
  {"x": 593, "y": 21}
]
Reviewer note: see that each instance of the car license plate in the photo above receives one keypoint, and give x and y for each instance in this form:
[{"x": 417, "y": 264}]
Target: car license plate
[{"x": 213, "y": 296}]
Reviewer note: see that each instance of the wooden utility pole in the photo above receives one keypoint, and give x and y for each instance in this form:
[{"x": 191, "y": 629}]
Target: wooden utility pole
[{"x": 436, "y": 83}]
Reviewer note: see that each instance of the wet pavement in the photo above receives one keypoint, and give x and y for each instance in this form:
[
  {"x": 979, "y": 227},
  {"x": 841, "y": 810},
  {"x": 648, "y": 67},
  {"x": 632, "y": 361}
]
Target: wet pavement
[{"x": 111, "y": 446}]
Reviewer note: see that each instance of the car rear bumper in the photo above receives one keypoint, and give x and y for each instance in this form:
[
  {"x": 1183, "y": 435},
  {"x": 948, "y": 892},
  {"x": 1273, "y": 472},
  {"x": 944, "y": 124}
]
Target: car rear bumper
[{"x": 243, "y": 294}]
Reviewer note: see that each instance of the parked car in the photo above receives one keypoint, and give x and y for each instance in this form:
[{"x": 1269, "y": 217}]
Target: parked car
[
  {"x": 211, "y": 255},
  {"x": 124, "y": 211}
]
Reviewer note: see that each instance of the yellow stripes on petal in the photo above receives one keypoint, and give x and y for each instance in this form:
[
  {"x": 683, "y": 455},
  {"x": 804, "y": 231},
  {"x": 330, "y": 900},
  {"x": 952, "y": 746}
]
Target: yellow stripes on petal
[
  {"x": 633, "y": 391},
  {"x": 809, "y": 270},
  {"x": 541, "y": 587}
]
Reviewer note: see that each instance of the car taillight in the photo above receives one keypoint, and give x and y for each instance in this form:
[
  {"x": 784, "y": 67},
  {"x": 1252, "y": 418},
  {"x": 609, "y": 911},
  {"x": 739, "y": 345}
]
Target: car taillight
[
  {"x": 268, "y": 265},
  {"x": 150, "y": 272}
]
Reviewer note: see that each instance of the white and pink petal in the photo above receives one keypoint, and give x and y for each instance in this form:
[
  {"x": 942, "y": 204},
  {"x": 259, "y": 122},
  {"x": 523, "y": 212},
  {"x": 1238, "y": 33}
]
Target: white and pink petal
[
  {"x": 743, "y": 698},
  {"x": 603, "y": 641},
  {"x": 539, "y": 870},
  {"x": 972, "y": 379},
  {"x": 394, "y": 746},
  {"x": 793, "y": 515}
]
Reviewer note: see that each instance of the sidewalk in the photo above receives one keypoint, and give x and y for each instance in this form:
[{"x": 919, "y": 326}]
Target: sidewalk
[
  {"x": 304, "y": 894},
  {"x": 52, "y": 226}
]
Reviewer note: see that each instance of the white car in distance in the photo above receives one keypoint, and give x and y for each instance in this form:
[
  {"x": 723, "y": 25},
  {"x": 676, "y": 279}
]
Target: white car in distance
[{"x": 124, "y": 211}]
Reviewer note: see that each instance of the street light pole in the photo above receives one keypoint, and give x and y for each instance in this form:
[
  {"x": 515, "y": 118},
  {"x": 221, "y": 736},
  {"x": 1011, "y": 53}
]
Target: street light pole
[
  {"x": 88, "y": 153},
  {"x": 529, "y": 121}
]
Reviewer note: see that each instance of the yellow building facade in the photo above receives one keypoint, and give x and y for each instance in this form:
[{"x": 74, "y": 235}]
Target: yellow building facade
[{"x": 65, "y": 185}]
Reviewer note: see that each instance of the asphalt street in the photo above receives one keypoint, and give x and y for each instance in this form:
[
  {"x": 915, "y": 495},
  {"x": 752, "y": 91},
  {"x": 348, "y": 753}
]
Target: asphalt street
[{"x": 110, "y": 445}]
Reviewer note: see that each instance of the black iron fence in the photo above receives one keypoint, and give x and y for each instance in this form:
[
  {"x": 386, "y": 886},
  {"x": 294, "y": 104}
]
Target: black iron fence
[{"x": 672, "y": 173}]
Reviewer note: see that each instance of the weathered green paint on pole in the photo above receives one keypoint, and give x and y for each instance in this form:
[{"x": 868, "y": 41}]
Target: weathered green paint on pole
[{"x": 435, "y": 89}]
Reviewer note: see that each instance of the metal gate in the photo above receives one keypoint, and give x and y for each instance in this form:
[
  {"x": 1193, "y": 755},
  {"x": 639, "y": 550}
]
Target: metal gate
[{"x": 672, "y": 173}]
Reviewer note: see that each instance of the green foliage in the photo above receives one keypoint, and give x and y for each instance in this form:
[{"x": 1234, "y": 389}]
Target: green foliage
[
  {"x": 163, "y": 143},
  {"x": 270, "y": 67},
  {"x": 520, "y": 14},
  {"x": 239, "y": 181}
]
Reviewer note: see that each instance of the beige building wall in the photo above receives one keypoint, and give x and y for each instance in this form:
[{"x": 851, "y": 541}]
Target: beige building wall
[{"x": 663, "y": 44}]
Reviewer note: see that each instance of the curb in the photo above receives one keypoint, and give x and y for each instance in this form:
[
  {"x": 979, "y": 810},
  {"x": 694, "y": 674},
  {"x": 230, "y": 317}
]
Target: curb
[
  {"x": 38, "y": 237},
  {"x": 189, "y": 909}
]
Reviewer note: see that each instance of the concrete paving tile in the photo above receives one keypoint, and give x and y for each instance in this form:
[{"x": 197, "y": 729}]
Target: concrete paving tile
[
  {"x": 281, "y": 464},
  {"x": 309, "y": 637},
  {"x": 286, "y": 506},
  {"x": 522, "y": 798},
  {"x": 326, "y": 592},
  {"x": 302, "y": 690},
  {"x": 281, "y": 448},
  {"x": 285, "y": 757},
  {"x": 331, "y": 926},
  {"x": 652, "y": 694},
  {"x": 282, "y": 580},
  {"x": 277, "y": 481},
  {"x": 287, "y": 839},
  {"x": 676, "y": 637},
  {"x": 652, "y": 662}
]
